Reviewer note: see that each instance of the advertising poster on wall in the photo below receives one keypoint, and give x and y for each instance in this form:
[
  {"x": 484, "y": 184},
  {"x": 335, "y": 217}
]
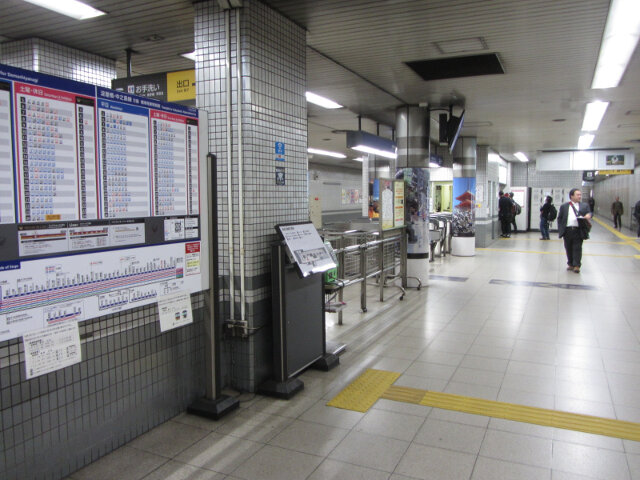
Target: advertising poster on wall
[
  {"x": 398, "y": 203},
  {"x": 464, "y": 211},
  {"x": 416, "y": 187},
  {"x": 386, "y": 201},
  {"x": 374, "y": 199}
]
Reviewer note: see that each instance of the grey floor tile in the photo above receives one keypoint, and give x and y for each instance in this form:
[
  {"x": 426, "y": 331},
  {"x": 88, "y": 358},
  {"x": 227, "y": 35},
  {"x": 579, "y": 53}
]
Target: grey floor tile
[
  {"x": 173, "y": 470},
  {"x": 492, "y": 469},
  {"x": 334, "y": 417},
  {"x": 431, "y": 463},
  {"x": 450, "y": 435},
  {"x": 390, "y": 424},
  {"x": 371, "y": 451},
  {"x": 590, "y": 461},
  {"x": 135, "y": 463},
  {"x": 220, "y": 453},
  {"x": 517, "y": 448},
  {"x": 335, "y": 470},
  {"x": 169, "y": 439},
  {"x": 308, "y": 437},
  {"x": 273, "y": 463},
  {"x": 253, "y": 425}
]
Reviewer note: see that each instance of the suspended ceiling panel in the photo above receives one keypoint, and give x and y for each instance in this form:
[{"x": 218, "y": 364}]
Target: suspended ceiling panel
[{"x": 357, "y": 49}]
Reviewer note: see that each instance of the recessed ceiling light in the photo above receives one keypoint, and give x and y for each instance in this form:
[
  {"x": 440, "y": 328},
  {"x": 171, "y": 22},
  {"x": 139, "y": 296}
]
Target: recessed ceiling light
[
  {"x": 70, "y": 8},
  {"x": 321, "y": 101},
  {"x": 619, "y": 40},
  {"x": 521, "y": 156},
  {"x": 326, "y": 153},
  {"x": 559, "y": 120},
  {"x": 585, "y": 141},
  {"x": 593, "y": 115},
  {"x": 191, "y": 55}
]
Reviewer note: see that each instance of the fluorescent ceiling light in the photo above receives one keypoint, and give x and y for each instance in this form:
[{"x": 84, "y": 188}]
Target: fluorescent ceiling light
[
  {"x": 521, "y": 156},
  {"x": 620, "y": 38},
  {"x": 434, "y": 165},
  {"x": 326, "y": 153},
  {"x": 585, "y": 140},
  {"x": 494, "y": 158},
  {"x": 323, "y": 102},
  {"x": 359, "y": 159},
  {"x": 70, "y": 8},
  {"x": 191, "y": 55},
  {"x": 593, "y": 115},
  {"x": 370, "y": 143},
  {"x": 374, "y": 151}
]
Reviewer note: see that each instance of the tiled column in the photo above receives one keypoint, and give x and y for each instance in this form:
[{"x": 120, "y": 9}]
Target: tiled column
[
  {"x": 464, "y": 197},
  {"x": 483, "y": 211},
  {"x": 272, "y": 52},
  {"x": 47, "y": 57}
]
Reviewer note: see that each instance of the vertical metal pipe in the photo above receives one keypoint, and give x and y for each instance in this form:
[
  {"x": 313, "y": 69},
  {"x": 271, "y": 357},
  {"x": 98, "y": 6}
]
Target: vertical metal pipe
[
  {"x": 212, "y": 347},
  {"x": 240, "y": 165},
  {"x": 232, "y": 287}
]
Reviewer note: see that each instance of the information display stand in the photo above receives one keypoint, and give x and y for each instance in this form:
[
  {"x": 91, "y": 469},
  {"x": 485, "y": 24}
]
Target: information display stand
[{"x": 298, "y": 313}]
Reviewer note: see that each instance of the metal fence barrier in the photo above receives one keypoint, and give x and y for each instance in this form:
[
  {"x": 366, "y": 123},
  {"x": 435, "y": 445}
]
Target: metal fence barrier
[{"x": 363, "y": 255}]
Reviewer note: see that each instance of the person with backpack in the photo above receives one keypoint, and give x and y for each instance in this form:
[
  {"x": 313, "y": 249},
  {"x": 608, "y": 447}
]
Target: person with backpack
[
  {"x": 548, "y": 213},
  {"x": 516, "y": 209},
  {"x": 505, "y": 214}
]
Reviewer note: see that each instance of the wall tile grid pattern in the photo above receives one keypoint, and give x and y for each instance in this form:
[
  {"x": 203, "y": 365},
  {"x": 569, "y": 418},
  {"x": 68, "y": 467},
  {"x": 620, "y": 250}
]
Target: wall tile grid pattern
[
  {"x": 273, "y": 110},
  {"x": 47, "y": 57},
  {"x": 131, "y": 378},
  {"x": 627, "y": 187},
  {"x": 527, "y": 174}
]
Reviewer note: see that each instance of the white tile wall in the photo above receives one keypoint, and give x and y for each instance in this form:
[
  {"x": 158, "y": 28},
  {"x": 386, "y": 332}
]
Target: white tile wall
[
  {"x": 48, "y": 57},
  {"x": 273, "y": 56}
]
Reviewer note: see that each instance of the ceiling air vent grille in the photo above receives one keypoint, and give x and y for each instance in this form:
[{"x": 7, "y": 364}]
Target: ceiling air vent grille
[{"x": 456, "y": 67}]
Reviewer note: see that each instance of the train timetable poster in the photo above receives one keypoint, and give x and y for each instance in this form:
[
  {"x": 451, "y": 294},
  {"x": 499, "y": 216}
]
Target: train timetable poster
[{"x": 101, "y": 205}]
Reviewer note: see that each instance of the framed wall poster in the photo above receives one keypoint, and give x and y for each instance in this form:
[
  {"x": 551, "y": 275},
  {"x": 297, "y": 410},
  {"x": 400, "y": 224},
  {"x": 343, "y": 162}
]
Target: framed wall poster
[{"x": 386, "y": 203}]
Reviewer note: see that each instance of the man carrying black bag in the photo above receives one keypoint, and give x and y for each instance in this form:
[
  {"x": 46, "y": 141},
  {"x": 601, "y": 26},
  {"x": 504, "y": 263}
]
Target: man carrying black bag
[{"x": 573, "y": 226}]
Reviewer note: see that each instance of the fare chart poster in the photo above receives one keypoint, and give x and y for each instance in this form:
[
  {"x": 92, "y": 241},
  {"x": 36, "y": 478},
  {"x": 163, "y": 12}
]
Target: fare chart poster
[{"x": 100, "y": 206}]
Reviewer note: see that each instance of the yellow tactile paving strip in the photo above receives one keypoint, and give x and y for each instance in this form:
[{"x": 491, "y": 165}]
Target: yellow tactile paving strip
[
  {"x": 364, "y": 391},
  {"x": 628, "y": 240},
  {"x": 375, "y": 384}
]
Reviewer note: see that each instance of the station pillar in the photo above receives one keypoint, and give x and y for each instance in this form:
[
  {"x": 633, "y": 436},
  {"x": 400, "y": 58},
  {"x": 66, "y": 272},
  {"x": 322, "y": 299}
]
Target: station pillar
[
  {"x": 258, "y": 132},
  {"x": 412, "y": 138},
  {"x": 463, "y": 243}
]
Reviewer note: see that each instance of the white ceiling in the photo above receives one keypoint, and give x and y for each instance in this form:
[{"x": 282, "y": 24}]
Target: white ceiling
[{"x": 355, "y": 55}]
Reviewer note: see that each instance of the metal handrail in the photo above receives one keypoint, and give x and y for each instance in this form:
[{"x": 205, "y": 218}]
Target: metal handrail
[{"x": 361, "y": 249}]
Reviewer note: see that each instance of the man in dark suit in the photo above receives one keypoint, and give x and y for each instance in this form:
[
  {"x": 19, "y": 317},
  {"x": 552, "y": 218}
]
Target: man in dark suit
[{"x": 569, "y": 230}]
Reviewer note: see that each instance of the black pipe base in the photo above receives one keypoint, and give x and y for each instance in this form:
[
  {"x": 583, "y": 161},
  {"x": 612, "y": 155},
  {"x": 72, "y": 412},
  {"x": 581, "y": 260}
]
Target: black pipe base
[
  {"x": 284, "y": 390},
  {"x": 327, "y": 362},
  {"x": 213, "y": 409}
]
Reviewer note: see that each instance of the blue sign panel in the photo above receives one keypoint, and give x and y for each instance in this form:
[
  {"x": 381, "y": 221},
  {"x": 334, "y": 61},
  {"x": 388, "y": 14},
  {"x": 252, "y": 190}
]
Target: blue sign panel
[{"x": 280, "y": 148}]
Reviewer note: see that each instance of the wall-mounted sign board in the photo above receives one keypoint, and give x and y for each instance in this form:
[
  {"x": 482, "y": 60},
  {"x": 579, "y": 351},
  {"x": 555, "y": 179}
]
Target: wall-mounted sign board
[{"x": 101, "y": 205}]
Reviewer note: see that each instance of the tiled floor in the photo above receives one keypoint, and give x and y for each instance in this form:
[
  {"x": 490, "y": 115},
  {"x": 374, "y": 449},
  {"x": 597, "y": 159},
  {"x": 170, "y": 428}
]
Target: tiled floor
[{"x": 559, "y": 348}]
